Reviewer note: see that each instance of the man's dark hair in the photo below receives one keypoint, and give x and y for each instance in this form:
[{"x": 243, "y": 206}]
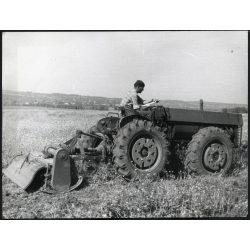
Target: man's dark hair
[{"x": 139, "y": 83}]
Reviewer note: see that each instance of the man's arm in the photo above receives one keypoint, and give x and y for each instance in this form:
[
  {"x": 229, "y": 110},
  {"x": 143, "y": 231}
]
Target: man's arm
[{"x": 152, "y": 100}]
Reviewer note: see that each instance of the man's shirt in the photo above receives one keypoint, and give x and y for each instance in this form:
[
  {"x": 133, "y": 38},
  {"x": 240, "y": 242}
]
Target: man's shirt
[{"x": 132, "y": 99}]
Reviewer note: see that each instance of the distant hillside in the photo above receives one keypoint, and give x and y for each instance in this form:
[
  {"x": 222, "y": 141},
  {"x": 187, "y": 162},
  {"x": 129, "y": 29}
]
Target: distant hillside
[{"x": 58, "y": 100}]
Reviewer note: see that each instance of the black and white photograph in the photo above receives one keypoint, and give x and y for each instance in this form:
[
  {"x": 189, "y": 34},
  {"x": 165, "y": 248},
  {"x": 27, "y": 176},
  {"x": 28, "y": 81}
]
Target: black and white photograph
[{"x": 124, "y": 124}]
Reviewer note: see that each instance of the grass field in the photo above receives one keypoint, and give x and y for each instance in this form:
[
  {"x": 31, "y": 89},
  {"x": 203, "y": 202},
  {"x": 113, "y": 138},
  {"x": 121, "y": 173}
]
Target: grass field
[{"x": 106, "y": 195}]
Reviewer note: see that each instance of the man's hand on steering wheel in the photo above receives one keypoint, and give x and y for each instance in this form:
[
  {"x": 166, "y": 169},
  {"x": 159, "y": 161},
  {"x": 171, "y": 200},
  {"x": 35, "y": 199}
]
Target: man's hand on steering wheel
[{"x": 155, "y": 100}]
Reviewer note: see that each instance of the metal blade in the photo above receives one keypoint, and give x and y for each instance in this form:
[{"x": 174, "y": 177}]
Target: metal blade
[{"x": 23, "y": 169}]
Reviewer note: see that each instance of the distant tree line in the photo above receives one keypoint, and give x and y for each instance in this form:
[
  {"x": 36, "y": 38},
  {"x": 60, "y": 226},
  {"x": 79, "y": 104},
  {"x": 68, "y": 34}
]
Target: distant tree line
[
  {"x": 12, "y": 98},
  {"x": 71, "y": 106},
  {"x": 62, "y": 106},
  {"x": 235, "y": 110}
]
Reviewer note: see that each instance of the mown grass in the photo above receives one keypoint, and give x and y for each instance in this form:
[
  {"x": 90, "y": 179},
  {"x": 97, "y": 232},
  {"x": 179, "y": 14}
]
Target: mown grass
[{"x": 105, "y": 194}]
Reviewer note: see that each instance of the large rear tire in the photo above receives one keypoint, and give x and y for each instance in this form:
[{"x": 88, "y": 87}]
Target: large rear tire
[
  {"x": 140, "y": 149},
  {"x": 209, "y": 152}
]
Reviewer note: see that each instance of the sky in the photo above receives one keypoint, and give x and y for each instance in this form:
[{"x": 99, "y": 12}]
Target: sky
[{"x": 175, "y": 65}]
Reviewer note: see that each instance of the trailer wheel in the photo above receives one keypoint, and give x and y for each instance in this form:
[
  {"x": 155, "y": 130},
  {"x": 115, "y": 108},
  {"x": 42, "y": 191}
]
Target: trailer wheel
[
  {"x": 140, "y": 149},
  {"x": 209, "y": 152}
]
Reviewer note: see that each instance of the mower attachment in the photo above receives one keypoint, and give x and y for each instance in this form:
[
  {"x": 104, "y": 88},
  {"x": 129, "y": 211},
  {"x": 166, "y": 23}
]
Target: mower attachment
[
  {"x": 57, "y": 166},
  {"x": 58, "y": 171}
]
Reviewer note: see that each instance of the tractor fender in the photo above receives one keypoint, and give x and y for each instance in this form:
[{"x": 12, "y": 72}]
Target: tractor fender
[
  {"x": 130, "y": 118},
  {"x": 107, "y": 124}
]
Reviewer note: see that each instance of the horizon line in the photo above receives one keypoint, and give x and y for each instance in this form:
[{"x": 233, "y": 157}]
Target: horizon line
[{"x": 121, "y": 97}]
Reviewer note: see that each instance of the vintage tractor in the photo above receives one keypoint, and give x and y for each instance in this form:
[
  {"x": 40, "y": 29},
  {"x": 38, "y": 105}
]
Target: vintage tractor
[{"x": 140, "y": 144}]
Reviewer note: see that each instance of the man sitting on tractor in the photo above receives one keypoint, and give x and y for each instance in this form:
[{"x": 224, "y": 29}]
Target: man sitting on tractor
[{"x": 132, "y": 102}]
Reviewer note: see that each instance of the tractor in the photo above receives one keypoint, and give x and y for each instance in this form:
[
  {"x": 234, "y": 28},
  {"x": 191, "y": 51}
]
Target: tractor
[{"x": 140, "y": 144}]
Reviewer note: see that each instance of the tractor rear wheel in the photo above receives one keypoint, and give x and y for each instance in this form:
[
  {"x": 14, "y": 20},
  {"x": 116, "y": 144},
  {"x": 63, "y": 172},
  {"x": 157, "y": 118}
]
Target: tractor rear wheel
[
  {"x": 209, "y": 152},
  {"x": 140, "y": 149}
]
